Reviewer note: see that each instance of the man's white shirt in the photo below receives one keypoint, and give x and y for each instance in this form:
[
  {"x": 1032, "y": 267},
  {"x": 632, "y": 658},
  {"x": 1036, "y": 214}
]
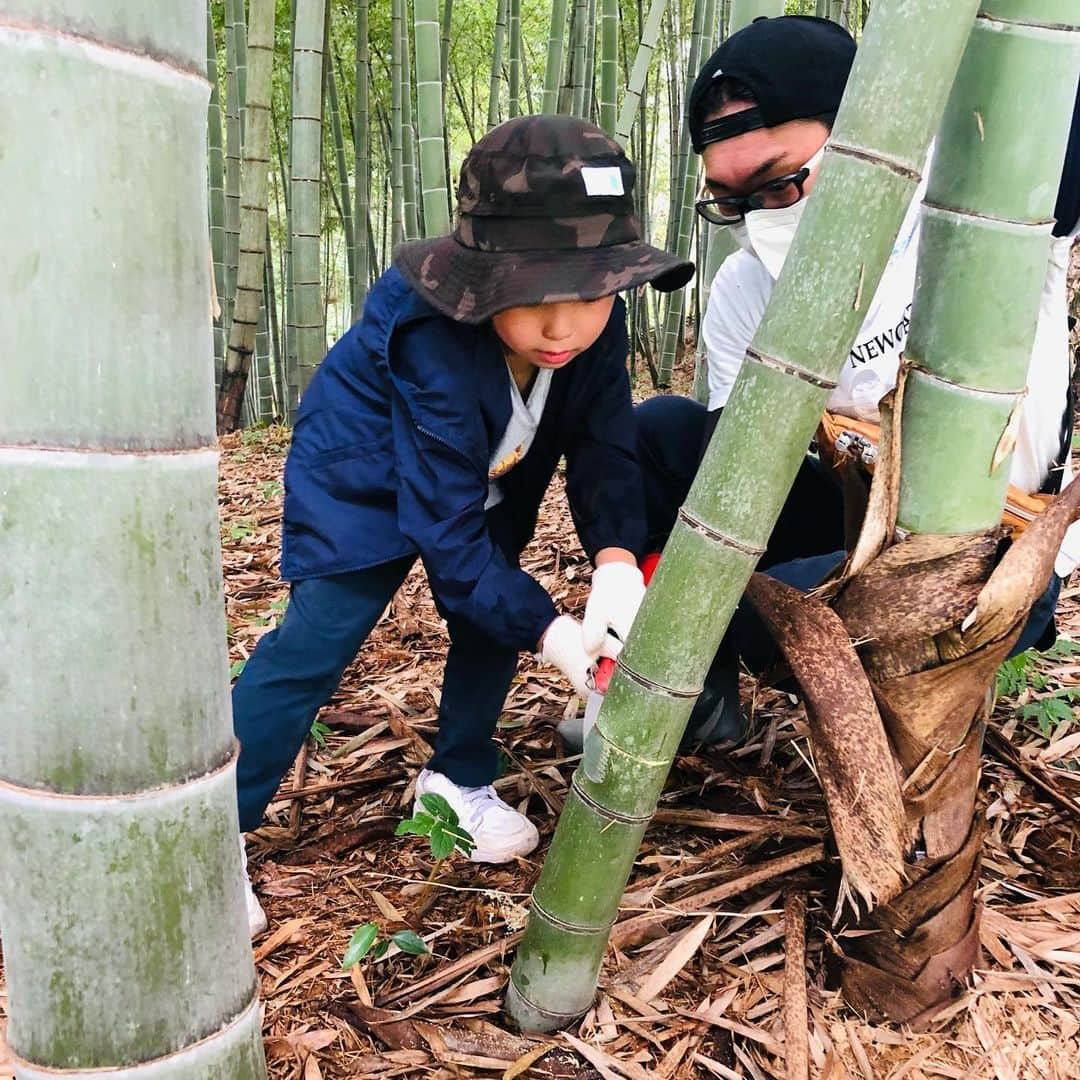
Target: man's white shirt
[{"x": 740, "y": 293}]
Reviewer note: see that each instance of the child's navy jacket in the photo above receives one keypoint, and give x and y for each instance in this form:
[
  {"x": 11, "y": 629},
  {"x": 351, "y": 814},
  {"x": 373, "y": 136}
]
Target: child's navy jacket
[{"x": 392, "y": 446}]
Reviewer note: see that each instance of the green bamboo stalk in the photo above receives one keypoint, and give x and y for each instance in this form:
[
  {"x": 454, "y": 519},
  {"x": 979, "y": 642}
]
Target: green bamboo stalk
[
  {"x": 241, "y": 32},
  {"x": 526, "y": 76},
  {"x": 577, "y": 58},
  {"x": 278, "y": 365},
  {"x": 671, "y": 82},
  {"x": 341, "y": 167},
  {"x": 982, "y": 261},
  {"x": 498, "y": 47},
  {"x": 308, "y": 328},
  {"x": 555, "y": 53},
  {"x": 253, "y": 215},
  {"x": 609, "y": 64},
  {"x": 429, "y": 115},
  {"x": 362, "y": 156},
  {"x": 233, "y": 149},
  {"x": 292, "y": 362},
  {"x": 216, "y": 177},
  {"x": 444, "y": 40},
  {"x": 444, "y": 77},
  {"x": 515, "y": 58},
  {"x": 640, "y": 72},
  {"x": 686, "y": 186},
  {"x": 412, "y": 207},
  {"x": 125, "y": 938},
  {"x": 867, "y": 181},
  {"x": 397, "y": 93},
  {"x": 589, "y": 100}
]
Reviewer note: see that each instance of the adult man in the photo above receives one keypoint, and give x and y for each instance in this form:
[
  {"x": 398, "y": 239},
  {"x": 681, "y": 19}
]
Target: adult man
[{"x": 760, "y": 114}]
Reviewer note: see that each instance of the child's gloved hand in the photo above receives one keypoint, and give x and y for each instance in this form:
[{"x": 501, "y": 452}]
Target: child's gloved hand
[
  {"x": 616, "y": 594},
  {"x": 562, "y": 647}
]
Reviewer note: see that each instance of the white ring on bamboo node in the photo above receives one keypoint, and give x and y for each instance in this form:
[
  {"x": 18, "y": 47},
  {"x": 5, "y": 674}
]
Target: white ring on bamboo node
[
  {"x": 249, "y": 1016},
  {"x": 14, "y": 792}
]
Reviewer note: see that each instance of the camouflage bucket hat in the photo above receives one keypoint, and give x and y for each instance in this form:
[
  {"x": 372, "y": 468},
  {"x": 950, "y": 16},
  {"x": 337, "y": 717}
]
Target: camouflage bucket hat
[{"x": 545, "y": 214}]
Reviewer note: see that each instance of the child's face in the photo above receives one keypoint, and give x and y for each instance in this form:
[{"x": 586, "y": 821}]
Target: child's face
[{"x": 551, "y": 335}]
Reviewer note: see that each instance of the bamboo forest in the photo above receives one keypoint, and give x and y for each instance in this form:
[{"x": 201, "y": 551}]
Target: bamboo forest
[{"x": 537, "y": 539}]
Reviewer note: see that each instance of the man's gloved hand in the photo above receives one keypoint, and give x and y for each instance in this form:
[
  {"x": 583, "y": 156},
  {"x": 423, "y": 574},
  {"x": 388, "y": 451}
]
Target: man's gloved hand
[
  {"x": 562, "y": 647},
  {"x": 616, "y": 594}
]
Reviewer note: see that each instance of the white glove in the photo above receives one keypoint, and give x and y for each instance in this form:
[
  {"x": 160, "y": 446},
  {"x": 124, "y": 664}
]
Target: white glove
[
  {"x": 563, "y": 649},
  {"x": 616, "y": 594}
]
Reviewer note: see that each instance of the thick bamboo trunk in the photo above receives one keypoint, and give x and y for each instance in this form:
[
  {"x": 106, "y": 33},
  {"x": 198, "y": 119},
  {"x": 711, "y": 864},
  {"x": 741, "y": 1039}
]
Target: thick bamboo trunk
[
  {"x": 867, "y": 180},
  {"x": 307, "y": 327},
  {"x": 430, "y": 119},
  {"x": 250, "y": 280},
  {"x": 125, "y": 937}
]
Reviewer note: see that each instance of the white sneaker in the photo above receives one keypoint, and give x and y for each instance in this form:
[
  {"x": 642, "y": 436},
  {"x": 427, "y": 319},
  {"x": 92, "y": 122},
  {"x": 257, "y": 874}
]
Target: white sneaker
[
  {"x": 500, "y": 832},
  {"x": 256, "y": 916}
]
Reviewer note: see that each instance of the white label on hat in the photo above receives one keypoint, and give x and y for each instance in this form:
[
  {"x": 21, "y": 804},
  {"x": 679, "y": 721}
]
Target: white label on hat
[{"x": 605, "y": 180}]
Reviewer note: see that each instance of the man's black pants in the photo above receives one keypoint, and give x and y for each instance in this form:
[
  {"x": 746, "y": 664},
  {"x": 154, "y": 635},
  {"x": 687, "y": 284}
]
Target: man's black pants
[{"x": 807, "y": 542}]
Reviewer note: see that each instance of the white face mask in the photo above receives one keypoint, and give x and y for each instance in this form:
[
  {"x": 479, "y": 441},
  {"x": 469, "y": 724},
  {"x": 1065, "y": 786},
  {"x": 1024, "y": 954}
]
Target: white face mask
[{"x": 768, "y": 234}]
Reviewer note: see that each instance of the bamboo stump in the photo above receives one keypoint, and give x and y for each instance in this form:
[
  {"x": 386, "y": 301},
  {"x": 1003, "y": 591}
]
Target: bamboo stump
[{"x": 897, "y": 676}]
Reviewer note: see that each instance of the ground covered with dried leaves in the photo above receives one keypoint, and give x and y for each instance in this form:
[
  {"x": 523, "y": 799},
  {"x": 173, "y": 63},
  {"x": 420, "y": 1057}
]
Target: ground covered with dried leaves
[{"x": 692, "y": 985}]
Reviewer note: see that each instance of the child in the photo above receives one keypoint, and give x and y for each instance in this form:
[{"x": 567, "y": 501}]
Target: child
[{"x": 433, "y": 428}]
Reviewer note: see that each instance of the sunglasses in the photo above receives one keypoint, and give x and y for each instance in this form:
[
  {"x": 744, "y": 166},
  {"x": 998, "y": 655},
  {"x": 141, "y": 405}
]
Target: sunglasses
[{"x": 777, "y": 194}]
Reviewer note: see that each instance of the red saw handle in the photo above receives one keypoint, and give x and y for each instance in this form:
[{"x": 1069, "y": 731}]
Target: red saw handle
[{"x": 605, "y": 667}]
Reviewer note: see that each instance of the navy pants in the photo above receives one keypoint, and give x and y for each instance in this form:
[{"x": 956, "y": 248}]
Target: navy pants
[
  {"x": 806, "y": 544},
  {"x": 296, "y": 668}
]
